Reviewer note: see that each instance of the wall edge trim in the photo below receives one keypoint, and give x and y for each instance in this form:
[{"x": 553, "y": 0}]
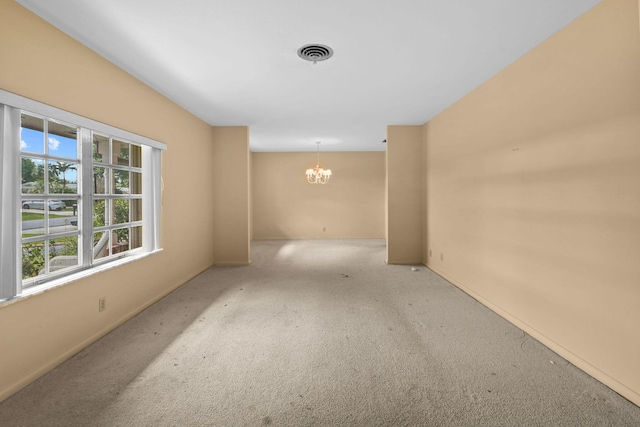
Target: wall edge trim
[{"x": 231, "y": 263}]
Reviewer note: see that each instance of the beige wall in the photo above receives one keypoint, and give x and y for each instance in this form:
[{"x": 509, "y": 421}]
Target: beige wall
[
  {"x": 533, "y": 184},
  {"x": 405, "y": 217},
  {"x": 231, "y": 192},
  {"x": 40, "y": 62},
  {"x": 286, "y": 206}
]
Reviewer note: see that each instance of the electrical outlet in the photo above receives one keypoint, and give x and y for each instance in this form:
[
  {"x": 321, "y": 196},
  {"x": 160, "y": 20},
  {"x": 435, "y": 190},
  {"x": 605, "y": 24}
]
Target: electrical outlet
[
  {"x": 441, "y": 256},
  {"x": 102, "y": 304},
  {"x": 324, "y": 228},
  {"x": 430, "y": 253}
]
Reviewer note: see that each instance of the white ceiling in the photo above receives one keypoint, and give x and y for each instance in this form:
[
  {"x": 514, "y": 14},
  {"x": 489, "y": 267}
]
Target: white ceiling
[{"x": 234, "y": 62}]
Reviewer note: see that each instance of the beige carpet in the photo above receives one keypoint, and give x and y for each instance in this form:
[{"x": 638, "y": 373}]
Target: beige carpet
[{"x": 317, "y": 333}]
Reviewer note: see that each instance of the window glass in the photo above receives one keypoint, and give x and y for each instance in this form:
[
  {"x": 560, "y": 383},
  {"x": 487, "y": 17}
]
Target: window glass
[
  {"x": 32, "y": 134},
  {"x": 32, "y": 175},
  {"x": 63, "y": 216},
  {"x": 63, "y": 177},
  {"x": 120, "y": 211},
  {"x": 120, "y": 240},
  {"x": 136, "y": 156},
  {"x": 62, "y": 140},
  {"x": 136, "y": 183},
  {"x": 120, "y": 153},
  {"x": 100, "y": 180},
  {"x": 100, "y": 148},
  {"x": 99, "y": 213},
  {"x": 136, "y": 210},
  {"x": 63, "y": 253},
  {"x": 33, "y": 259},
  {"x": 120, "y": 181},
  {"x": 136, "y": 237},
  {"x": 32, "y": 218},
  {"x": 101, "y": 244}
]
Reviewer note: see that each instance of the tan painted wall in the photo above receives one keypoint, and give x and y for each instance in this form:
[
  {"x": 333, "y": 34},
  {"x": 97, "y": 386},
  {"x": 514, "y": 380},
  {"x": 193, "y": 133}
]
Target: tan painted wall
[
  {"x": 40, "y": 62},
  {"x": 231, "y": 192},
  {"x": 533, "y": 193},
  {"x": 350, "y": 205},
  {"x": 405, "y": 218}
]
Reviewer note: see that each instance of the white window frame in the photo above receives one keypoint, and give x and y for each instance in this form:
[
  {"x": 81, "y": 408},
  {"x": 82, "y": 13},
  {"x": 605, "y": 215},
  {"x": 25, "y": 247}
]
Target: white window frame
[{"x": 11, "y": 283}]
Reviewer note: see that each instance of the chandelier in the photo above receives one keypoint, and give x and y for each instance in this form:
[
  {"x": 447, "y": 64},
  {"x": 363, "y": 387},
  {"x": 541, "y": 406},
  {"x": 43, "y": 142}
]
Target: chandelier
[{"x": 318, "y": 175}]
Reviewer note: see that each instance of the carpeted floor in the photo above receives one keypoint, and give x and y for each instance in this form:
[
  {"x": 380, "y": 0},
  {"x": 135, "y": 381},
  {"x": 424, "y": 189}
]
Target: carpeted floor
[{"x": 317, "y": 333}]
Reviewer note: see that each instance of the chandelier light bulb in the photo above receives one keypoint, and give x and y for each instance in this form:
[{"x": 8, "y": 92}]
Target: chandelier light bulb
[{"x": 318, "y": 175}]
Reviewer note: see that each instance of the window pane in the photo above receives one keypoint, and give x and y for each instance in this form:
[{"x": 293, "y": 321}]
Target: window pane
[
  {"x": 136, "y": 183},
  {"x": 63, "y": 253},
  {"x": 99, "y": 213},
  {"x": 136, "y": 237},
  {"x": 32, "y": 171},
  {"x": 63, "y": 178},
  {"x": 32, "y": 218},
  {"x": 100, "y": 244},
  {"x": 62, "y": 140},
  {"x": 32, "y": 259},
  {"x": 136, "y": 209},
  {"x": 136, "y": 156},
  {"x": 100, "y": 148},
  {"x": 120, "y": 153},
  {"x": 120, "y": 240},
  {"x": 100, "y": 180},
  {"x": 62, "y": 217},
  {"x": 120, "y": 181},
  {"x": 33, "y": 204},
  {"x": 32, "y": 134},
  {"x": 120, "y": 211}
]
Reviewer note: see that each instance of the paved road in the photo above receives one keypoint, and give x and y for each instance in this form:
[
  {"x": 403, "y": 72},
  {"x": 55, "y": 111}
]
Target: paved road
[
  {"x": 60, "y": 224},
  {"x": 53, "y": 222}
]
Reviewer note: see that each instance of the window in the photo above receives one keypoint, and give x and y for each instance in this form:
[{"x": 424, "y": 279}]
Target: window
[
  {"x": 117, "y": 200},
  {"x": 49, "y": 165},
  {"x": 76, "y": 195}
]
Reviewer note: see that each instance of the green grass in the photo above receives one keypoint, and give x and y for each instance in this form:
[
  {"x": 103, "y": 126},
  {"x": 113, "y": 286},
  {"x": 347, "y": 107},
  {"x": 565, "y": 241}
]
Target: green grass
[{"x": 28, "y": 216}]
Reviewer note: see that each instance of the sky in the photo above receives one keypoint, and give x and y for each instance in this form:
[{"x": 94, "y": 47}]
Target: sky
[{"x": 32, "y": 141}]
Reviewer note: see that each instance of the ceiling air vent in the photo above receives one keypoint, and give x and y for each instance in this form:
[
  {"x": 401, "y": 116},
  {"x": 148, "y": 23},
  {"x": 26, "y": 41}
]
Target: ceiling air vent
[{"x": 315, "y": 52}]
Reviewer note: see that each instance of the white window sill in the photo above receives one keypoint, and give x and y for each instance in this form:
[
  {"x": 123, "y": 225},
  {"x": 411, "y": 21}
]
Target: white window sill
[{"x": 45, "y": 287}]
